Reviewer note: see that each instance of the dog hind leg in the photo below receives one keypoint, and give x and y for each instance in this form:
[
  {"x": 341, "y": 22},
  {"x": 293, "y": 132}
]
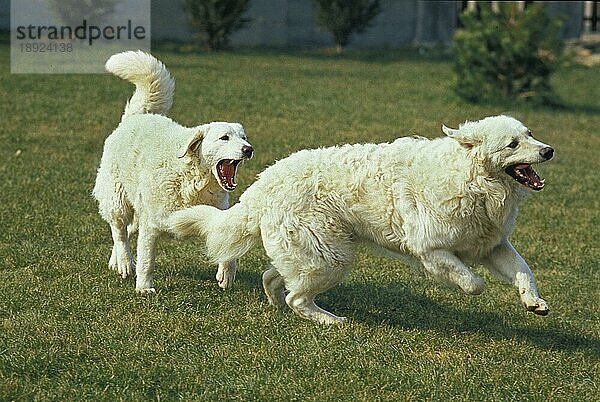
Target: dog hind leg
[
  {"x": 121, "y": 259},
  {"x": 129, "y": 265},
  {"x": 274, "y": 286},
  {"x": 146, "y": 253},
  {"x": 310, "y": 258},
  {"x": 305, "y": 278},
  {"x": 304, "y": 305},
  {"x": 117, "y": 211}
]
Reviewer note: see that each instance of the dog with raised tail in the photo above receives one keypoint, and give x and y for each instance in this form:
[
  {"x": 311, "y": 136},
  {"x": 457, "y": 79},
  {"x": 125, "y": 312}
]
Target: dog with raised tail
[
  {"x": 152, "y": 166},
  {"x": 442, "y": 205}
]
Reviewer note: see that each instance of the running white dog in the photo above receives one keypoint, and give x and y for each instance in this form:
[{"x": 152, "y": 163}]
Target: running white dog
[
  {"x": 152, "y": 166},
  {"x": 440, "y": 204}
]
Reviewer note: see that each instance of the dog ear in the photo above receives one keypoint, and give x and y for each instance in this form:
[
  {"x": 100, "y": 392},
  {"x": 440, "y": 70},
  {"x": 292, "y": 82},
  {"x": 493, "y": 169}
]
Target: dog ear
[
  {"x": 455, "y": 134},
  {"x": 193, "y": 143},
  {"x": 450, "y": 132}
]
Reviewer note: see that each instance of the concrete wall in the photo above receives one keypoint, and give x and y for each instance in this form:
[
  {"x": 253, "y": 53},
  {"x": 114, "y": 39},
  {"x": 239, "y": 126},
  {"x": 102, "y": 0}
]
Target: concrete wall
[
  {"x": 168, "y": 20},
  {"x": 290, "y": 23},
  {"x": 572, "y": 13},
  {"x": 5, "y": 14}
]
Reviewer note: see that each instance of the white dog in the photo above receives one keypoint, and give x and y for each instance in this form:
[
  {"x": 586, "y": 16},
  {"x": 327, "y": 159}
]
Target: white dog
[
  {"x": 152, "y": 166},
  {"x": 440, "y": 204}
]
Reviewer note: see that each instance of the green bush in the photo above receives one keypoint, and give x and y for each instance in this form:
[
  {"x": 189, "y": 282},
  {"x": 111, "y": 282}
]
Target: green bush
[
  {"x": 507, "y": 54},
  {"x": 343, "y": 17},
  {"x": 71, "y": 12},
  {"x": 214, "y": 20}
]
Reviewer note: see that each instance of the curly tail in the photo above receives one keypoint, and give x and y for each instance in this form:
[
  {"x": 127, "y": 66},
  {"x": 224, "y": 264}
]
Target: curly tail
[
  {"x": 154, "y": 85},
  {"x": 229, "y": 233}
]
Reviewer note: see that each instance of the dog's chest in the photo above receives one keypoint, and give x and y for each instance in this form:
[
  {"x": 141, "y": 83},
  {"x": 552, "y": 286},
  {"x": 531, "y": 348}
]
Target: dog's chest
[
  {"x": 204, "y": 191},
  {"x": 478, "y": 236},
  {"x": 469, "y": 223},
  {"x": 481, "y": 226},
  {"x": 194, "y": 188}
]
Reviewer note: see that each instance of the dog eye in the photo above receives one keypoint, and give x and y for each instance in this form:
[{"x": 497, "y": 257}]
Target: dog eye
[
  {"x": 224, "y": 138},
  {"x": 529, "y": 133},
  {"x": 513, "y": 144}
]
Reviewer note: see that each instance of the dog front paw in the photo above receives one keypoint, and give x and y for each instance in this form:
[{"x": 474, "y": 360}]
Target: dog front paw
[
  {"x": 538, "y": 306},
  {"x": 331, "y": 320},
  {"x": 145, "y": 291},
  {"x": 124, "y": 267},
  {"x": 127, "y": 270}
]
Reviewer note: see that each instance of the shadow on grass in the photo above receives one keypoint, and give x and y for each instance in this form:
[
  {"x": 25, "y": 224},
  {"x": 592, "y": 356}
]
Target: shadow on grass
[
  {"x": 400, "y": 306},
  {"x": 556, "y": 105},
  {"x": 563, "y": 106}
]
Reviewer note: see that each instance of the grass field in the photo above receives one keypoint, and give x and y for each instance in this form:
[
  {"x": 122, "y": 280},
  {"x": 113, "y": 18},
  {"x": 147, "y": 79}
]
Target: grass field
[{"x": 71, "y": 329}]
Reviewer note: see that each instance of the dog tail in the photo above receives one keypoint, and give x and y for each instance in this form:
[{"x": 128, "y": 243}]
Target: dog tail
[
  {"x": 229, "y": 233},
  {"x": 154, "y": 85}
]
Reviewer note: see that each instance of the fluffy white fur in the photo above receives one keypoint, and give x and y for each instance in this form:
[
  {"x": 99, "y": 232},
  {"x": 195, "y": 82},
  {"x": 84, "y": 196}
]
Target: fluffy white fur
[
  {"x": 152, "y": 166},
  {"x": 438, "y": 204}
]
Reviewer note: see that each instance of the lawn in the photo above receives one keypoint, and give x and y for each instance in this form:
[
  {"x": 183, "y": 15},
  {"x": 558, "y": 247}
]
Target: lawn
[{"x": 72, "y": 329}]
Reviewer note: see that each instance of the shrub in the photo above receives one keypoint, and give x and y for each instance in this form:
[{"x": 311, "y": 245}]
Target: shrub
[
  {"x": 214, "y": 20},
  {"x": 507, "y": 54},
  {"x": 71, "y": 12},
  {"x": 343, "y": 17}
]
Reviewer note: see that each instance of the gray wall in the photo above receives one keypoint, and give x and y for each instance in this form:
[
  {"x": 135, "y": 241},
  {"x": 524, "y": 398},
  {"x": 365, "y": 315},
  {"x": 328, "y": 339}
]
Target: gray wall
[
  {"x": 290, "y": 23},
  {"x": 5, "y": 14},
  {"x": 572, "y": 13}
]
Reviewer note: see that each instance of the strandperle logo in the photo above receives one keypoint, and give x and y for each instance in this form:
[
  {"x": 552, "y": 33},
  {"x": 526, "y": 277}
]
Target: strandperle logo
[
  {"x": 74, "y": 36},
  {"x": 84, "y": 31}
]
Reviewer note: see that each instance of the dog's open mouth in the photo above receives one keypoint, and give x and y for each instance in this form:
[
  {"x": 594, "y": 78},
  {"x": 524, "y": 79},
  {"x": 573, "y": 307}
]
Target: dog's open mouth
[
  {"x": 524, "y": 174},
  {"x": 226, "y": 170}
]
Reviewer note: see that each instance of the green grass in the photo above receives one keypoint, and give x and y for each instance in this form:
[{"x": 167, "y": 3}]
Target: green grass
[{"x": 71, "y": 329}]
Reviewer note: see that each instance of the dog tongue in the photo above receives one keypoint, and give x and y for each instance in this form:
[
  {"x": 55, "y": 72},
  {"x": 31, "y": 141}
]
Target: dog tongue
[{"x": 228, "y": 171}]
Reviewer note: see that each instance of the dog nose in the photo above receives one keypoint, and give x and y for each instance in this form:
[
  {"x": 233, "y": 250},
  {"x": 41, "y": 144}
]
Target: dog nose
[
  {"x": 247, "y": 150},
  {"x": 547, "y": 153}
]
